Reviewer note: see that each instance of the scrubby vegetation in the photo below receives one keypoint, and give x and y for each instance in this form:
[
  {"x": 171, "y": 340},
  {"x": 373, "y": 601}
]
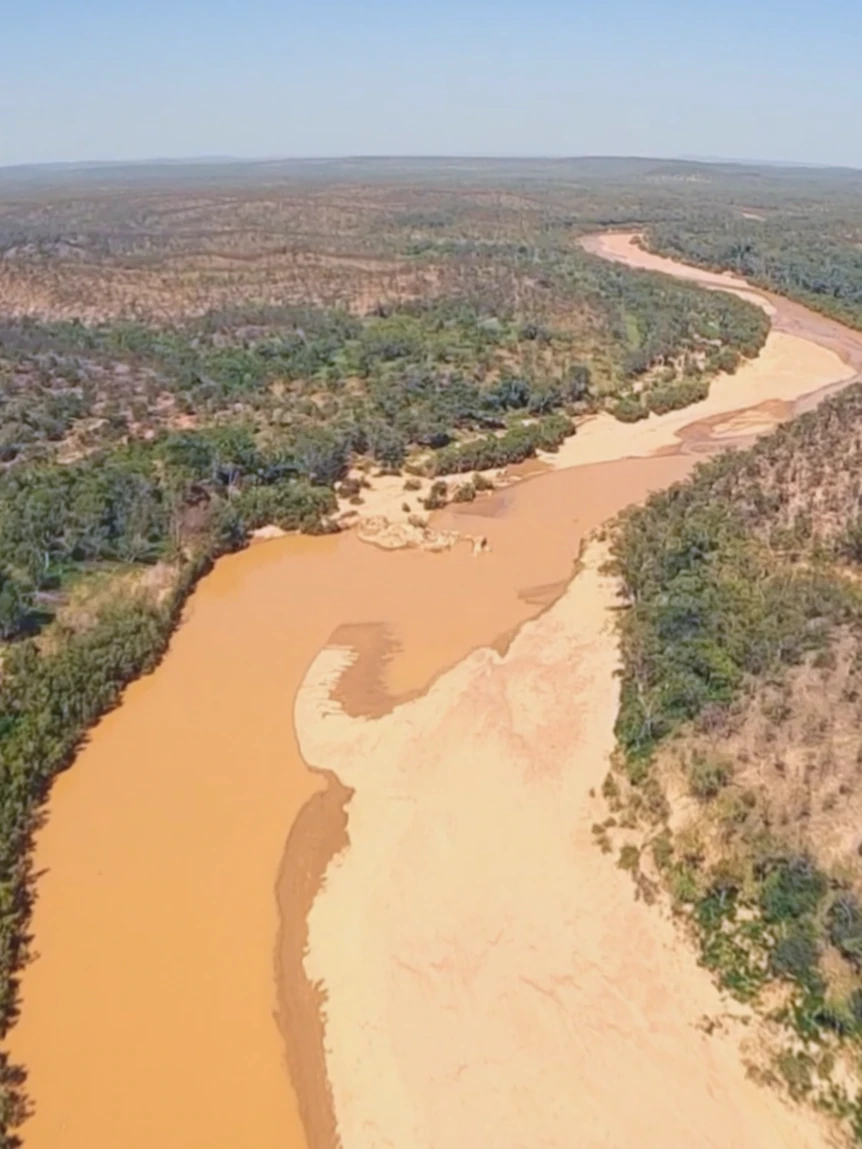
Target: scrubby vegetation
[
  {"x": 514, "y": 446},
  {"x": 740, "y": 727},
  {"x": 790, "y": 256},
  {"x": 407, "y": 376}
]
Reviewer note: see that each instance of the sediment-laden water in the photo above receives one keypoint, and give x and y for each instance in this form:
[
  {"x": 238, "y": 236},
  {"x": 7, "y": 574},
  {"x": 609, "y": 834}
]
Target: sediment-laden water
[{"x": 171, "y": 1001}]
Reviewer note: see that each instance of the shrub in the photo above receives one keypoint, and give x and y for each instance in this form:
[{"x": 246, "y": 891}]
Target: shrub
[
  {"x": 548, "y": 434},
  {"x": 795, "y": 1068},
  {"x": 796, "y": 952},
  {"x": 727, "y": 360},
  {"x": 518, "y": 443},
  {"x": 577, "y": 383},
  {"x": 673, "y": 396},
  {"x": 347, "y": 488},
  {"x": 436, "y": 496},
  {"x": 844, "y": 923},
  {"x": 792, "y": 887},
  {"x": 465, "y": 493},
  {"x": 629, "y": 858},
  {"x": 662, "y": 850},
  {"x": 707, "y": 777},
  {"x": 629, "y": 409},
  {"x": 849, "y": 543},
  {"x": 292, "y": 505},
  {"x": 16, "y": 602}
]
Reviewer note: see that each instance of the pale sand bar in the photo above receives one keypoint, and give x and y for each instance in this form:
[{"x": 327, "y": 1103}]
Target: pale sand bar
[
  {"x": 787, "y": 369},
  {"x": 489, "y": 977},
  {"x": 486, "y": 973}
]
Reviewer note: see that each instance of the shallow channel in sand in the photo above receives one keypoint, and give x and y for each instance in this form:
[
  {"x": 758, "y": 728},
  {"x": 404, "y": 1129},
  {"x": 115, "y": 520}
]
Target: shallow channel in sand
[{"x": 173, "y": 863}]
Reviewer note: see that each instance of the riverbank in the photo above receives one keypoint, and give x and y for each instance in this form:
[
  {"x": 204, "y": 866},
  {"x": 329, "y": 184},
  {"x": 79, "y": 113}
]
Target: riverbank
[
  {"x": 156, "y": 917},
  {"x": 806, "y": 356},
  {"x": 499, "y": 973},
  {"x": 785, "y": 315},
  {"x": 491, "y": 979}
]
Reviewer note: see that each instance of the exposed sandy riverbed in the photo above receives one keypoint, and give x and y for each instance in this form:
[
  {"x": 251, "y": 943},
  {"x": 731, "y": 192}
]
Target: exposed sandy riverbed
[
  {"x": 483, "y": 972},
  {"x": 489, "y": 976},
  {"x": 752, "y": 400},
  {"x": 787, "y": 317},
  {"x": 151, "y": 1016}
]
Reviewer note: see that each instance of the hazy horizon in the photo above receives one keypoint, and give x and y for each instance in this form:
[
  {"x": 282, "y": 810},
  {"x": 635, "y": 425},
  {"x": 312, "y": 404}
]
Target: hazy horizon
[
  {"x": 181, "y": 80},
  {"x": 179, "y": 160}
]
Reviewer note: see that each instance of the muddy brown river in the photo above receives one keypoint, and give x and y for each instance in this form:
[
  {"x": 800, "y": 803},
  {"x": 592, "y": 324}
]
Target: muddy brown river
[{"x": 166, "y": 1003}]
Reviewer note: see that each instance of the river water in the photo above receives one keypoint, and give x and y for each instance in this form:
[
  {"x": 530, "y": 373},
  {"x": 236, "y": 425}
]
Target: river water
[{"x": 165, "y": 1003}]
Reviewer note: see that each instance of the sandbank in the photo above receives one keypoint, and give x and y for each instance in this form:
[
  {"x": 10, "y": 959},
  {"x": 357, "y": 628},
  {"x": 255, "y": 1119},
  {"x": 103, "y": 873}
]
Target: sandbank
[
  {"x": 482, "y": 970},
  {"x": 486, "y": 972}
]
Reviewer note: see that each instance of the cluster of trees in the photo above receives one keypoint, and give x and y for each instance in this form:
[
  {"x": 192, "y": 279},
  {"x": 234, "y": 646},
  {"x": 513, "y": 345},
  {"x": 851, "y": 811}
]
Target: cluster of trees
[
  {"x": 146, "y": 501},
  {"x": 645, "y": 320},
  {"x": 414, "y": 374},
  {"x": 818, "y": 263},
  {"x": 660, "y": 399},
  {"x": 711, "y": 605},
  {"x": 37, "y": 408},
  {"x": 776, "y": 926},
  {"x": 714, "y": 569},
  {"x": 657, "y": 320},
  {"x": 644, "y": 332},
  {"x": 513, "y": 446},
  {"x": 411, "y": 377}
]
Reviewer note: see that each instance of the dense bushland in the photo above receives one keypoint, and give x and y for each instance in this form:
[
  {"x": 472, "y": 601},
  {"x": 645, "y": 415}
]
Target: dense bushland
[
  {"x": 145, "y": 502},
  {"x": 790, "y": 256},
  {"x": 410, "y": 375}
]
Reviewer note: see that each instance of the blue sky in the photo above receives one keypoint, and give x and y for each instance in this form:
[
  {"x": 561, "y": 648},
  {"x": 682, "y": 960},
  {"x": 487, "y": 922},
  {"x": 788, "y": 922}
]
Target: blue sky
[{"x": 123, "y": 79}]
